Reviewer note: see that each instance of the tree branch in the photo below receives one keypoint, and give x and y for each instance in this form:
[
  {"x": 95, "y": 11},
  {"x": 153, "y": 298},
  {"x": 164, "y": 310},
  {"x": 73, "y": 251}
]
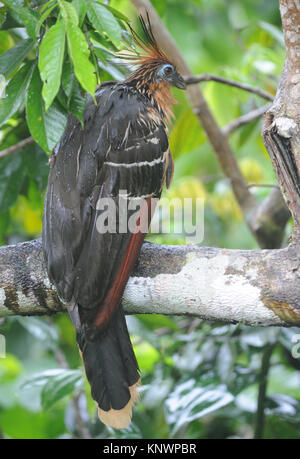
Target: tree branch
[
  {"x": 245, "y": 87},
  {"x": 17, "y": 146},
  {"x": 253, "y": 287},
  {"x": 269, "y": 219},
  {"x": 245, "y": 119}
]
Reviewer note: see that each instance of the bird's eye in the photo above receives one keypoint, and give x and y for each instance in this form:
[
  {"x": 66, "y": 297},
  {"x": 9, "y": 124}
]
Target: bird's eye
[{"x": 168, "y": 70}]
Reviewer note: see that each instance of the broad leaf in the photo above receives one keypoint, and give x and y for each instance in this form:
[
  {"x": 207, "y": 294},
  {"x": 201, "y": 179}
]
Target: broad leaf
[
  {"x": 41, "y": 379},
  {"x": 40, "y": 329},
  {"x": 77, "y": 102},
  {"x": 117, "y": 13},
  {"x": 186, "y": 134},
  {"x": 190, "y": 401},
  {"x": 10, "y": 60},
  {"x": 69, "y": 12},
  {"x": 45, "y": 127},
  {"x": 104, "y": 21},
  {"x": 80, "y": 6},
  {"x": 24, "y": 16},
  {"x": 68, "y": 79},
  {"x": 43, "y": 18},
  {"x": 79, "y": 53},
  {"x": 51, "y": 60},
  {"x": 47, "y": 5},
  {"x": 15, "y": 93},
  {"x": 60, "y": 385}
]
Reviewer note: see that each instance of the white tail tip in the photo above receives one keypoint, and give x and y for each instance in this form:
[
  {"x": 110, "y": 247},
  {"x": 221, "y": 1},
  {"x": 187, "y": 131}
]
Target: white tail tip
[{"x": 120, "y": 419}]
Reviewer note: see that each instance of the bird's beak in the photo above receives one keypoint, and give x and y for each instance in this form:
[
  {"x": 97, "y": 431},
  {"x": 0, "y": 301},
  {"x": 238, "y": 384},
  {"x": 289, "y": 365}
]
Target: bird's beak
[{"x": 178, "y": 81}]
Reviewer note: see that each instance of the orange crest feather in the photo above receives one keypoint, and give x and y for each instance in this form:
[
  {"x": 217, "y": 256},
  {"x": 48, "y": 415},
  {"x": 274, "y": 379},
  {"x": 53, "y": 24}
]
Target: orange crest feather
[{"x": 152, "y": 53}]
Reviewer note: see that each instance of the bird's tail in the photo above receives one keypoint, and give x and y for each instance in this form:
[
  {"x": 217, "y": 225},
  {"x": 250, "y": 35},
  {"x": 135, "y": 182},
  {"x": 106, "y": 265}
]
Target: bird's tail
[{"x": 112, "y": 370}]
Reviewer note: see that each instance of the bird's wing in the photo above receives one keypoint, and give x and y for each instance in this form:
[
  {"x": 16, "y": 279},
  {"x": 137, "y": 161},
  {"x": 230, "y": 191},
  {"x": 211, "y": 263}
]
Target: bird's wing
[{"x": 123, "y": 148}]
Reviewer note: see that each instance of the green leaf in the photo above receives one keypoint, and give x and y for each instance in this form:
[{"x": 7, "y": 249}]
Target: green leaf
[
  {"x": 146, "y": 355},
  {"x": 45, "y": 127},
  {"x": 44, "y": 17},
  {"x": 4, "y": 220},
  {"x": 69, "y": 12},
  {"x": 10, "y": 60},
  {"x": 186, "y": 134},
  {"x": 102, "y": 41},
  {"x": 112, "y": 70},
  {"x": 47, "y": 5},
  {"x": 15, "y": 93},
  {"x": 79, "y": 54},
  {"x": 51, "y": 58},
  {"x": 68, "y": 79},
  {"x": 24, "y": 16},
  {"x": 80, "y": 6},
  {"x": 103, "y": 20},
  {"x": 153, "y": 322},
  {"x": 10, "y": 367},
  {"x": 11, "y": 179},
  {"x": 39, "y": 329},
  {"x": 2, "y": 15},
  {"x": 117, "y": 13},
  {"x": 41, "y": 379},
  {"x": 60, "y": 385},
  {"x": 274, "y": 31},
  {"x": 30, "y": 425},
  {"x": 77, "y": 102},
  {"x": 190, "y": 401}
]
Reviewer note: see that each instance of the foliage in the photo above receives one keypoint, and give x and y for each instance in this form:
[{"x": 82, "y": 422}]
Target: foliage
[{"x": 200, "y": 380}]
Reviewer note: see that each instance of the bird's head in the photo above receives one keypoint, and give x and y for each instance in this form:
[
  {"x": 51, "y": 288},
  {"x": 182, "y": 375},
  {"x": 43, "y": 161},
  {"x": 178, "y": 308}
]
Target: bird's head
[{"x": 153, "y": 65}]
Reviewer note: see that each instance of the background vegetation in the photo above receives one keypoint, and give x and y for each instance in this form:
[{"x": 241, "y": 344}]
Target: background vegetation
[{"x": 200, "y": 380}]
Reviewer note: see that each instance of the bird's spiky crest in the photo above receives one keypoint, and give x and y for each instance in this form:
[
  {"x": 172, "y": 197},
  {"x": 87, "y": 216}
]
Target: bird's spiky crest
[
  {"x": 148, "y": 63},
  {"x": 152, "y": 53}
]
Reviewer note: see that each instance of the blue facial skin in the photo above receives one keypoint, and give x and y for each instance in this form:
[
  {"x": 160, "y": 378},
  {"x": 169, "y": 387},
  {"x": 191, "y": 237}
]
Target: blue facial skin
[
  {"x": 168, "y": 73},
  {"x": 161, "y": 75}
]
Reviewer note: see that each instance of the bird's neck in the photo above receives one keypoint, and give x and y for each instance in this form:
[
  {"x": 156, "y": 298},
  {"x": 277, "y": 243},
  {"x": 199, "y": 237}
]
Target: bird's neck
[
  {"x": 161, "y": 97},
  {"x": 158, "y": 93}
]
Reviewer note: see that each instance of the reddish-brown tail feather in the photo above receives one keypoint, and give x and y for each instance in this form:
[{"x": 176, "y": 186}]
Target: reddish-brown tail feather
[{"x": 116, "y": 290}]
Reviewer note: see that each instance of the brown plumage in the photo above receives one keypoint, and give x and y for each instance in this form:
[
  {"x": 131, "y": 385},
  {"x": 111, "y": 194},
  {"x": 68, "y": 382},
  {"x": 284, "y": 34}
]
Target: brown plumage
[{"x": 122, "y": 148}]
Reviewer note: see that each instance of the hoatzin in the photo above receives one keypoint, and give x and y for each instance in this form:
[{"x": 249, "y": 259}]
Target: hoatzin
[{"x": 123, "y": 146}]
